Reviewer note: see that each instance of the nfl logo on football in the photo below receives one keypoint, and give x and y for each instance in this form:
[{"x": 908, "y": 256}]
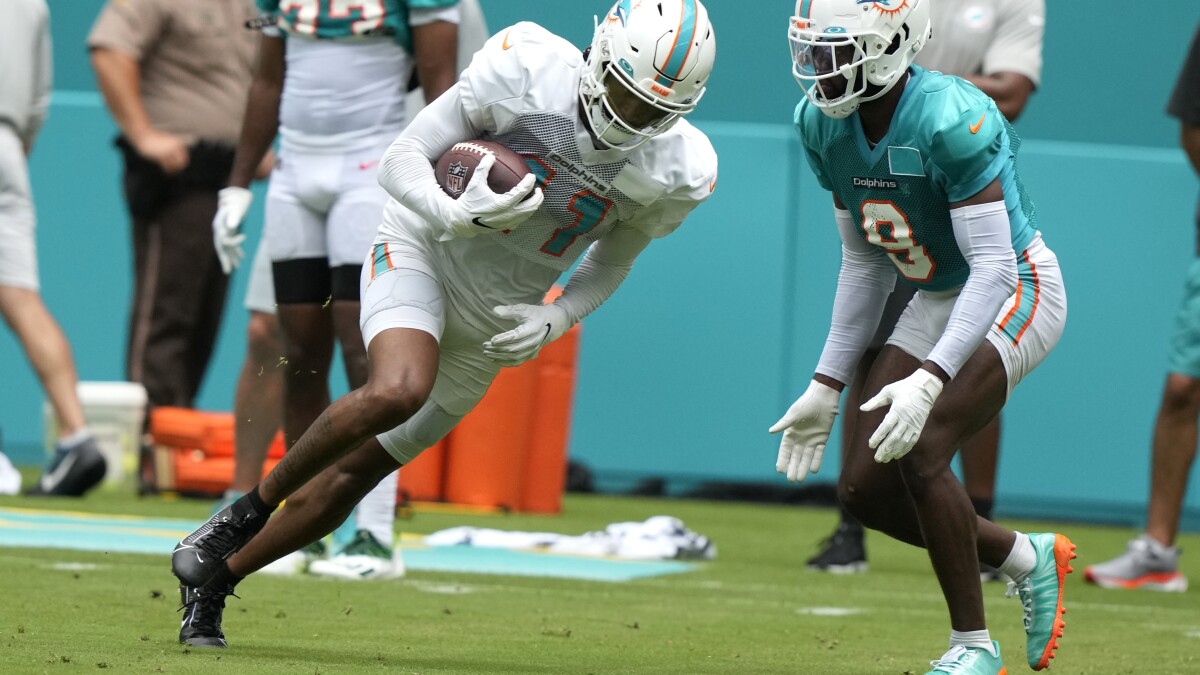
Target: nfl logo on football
[{"x": 456, "y": 178}]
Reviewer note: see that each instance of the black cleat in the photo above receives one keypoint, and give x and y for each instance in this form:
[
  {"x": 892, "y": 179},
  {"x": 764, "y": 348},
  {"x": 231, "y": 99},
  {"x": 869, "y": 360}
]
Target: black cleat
[
  {"x": 199, "y": 555},
  {"x": 842, "y": 553},
  {"x": 202, "y": 609},
  {"x": 73, "y": 472}
]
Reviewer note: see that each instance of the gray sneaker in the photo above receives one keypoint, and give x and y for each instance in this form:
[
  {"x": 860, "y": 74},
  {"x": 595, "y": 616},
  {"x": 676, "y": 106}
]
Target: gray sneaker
[
  {"x": 1144, "y": 564},
  {"x": 73, "y": 471}
]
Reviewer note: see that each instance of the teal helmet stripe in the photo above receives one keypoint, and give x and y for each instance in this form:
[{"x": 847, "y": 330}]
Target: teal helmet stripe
[
  {"x": 673, "y": 66},
  {"x": 806, "y": 9}
]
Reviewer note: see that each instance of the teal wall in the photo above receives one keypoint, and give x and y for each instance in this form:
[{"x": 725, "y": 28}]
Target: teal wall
[{"x": 718, "y": 328}]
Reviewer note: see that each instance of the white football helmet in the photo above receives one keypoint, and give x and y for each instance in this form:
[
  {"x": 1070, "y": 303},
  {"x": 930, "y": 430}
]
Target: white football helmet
[
  {"x": 661, "y": 51},
  {"x": 841, "y": 48}
]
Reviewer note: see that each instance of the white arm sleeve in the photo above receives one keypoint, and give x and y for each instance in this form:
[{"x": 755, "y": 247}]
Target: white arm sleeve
[
  {"x": 603, "y": 268},
  {"x": 406, "y": 170},
  {"x": 984, "y": 235},
  {"x": 864, "y": 282}
]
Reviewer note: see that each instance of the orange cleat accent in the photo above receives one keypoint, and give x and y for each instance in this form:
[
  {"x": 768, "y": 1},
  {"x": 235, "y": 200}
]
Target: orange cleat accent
[{"x": 1064, "y": 553}]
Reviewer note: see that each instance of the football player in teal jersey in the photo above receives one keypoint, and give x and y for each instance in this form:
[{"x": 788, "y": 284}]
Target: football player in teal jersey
[{"x": 922, "y": 167}]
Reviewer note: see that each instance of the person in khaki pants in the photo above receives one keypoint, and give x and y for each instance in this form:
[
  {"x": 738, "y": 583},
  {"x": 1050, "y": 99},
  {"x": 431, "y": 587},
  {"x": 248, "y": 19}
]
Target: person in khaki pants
[
  {"x": 25, "y": 75},
  {"x": 175, "y": 77}
]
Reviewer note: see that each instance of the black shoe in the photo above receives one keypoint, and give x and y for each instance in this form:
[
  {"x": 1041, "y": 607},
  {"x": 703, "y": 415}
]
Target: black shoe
[
  {"x": 199, "y": 555},
  {"x": 75, "y": 470},
  {"x": 202, "y": 609},
  {"x": 842, "y": 553}
]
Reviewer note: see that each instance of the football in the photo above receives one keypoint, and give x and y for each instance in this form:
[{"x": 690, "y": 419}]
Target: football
[{"x": 455, "y": 168}]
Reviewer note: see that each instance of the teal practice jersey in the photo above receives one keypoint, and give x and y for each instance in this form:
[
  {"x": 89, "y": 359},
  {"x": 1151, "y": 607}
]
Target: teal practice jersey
[
  {"x": 342, "y": 19},
  {"x": 947, "y": 142}
]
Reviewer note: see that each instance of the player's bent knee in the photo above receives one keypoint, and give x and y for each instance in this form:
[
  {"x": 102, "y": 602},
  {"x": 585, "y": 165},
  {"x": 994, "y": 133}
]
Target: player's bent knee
[
  {"x": 263, "y": 338},
  {"x": 921, "y": 473},
  {"x": 387, "y": 407},
  {"x": 858, "y": 503}
]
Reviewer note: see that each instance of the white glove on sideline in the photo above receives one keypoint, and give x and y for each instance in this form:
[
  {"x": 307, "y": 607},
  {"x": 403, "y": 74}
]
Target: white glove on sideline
[
  {"x": 538, "y": 326},
  {"x": 806, "y": 427},
  {"x": 478, "y": 209},
  {"x": 911, "y": 399},
  {"x": 232, "y": 204}
]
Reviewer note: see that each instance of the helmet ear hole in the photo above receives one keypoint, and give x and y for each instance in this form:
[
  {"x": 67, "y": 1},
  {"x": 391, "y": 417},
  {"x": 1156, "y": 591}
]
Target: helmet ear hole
[{"x": 896, "y": 41}]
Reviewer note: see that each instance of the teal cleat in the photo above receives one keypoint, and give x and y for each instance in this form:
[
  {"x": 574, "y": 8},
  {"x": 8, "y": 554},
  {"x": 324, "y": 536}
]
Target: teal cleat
[
  {"x": 962, "y": 660},
  {"x": 1041, "y": 596}
]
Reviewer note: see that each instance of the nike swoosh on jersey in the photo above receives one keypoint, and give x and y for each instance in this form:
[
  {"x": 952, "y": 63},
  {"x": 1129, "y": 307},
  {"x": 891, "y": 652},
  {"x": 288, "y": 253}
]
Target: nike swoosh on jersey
[
  {"x": 506, "y": 45},
  {"x": 363, "y": 166},
  {"x": 978, "y": 125},
  {"x": 480, "y": 223}
]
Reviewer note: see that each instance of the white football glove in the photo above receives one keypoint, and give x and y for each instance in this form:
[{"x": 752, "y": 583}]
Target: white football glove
[
  {"x": 232, "y": 204},
  {"x": 806, "y": 426},
  {"x": 912, "y": 400},
  {"x": 538, "y": 326},
  {"x": 478, "y": 210}
]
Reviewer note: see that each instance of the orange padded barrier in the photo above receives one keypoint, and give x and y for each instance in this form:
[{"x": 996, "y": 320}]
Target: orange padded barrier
[
  {"x": 194, "y": 450},
  {"x": 487, "y": 448},
  {"x": 545, "y": 474},
  {"x": 511, "y": 450}
]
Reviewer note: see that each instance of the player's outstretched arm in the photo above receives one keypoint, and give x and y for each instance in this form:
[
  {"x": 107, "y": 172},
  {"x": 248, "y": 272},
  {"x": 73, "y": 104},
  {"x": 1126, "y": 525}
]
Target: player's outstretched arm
[
  {"x": 865, "y": 279},
  {"x": 806, "y": 427}
]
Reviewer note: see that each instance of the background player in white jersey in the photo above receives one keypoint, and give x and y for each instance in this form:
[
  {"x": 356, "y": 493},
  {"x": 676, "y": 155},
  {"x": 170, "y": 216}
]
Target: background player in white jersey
[
  {"x": 449, "y": 296},
  {"x": 922, "y": 167},
  {"x": 333, "y": 85}
]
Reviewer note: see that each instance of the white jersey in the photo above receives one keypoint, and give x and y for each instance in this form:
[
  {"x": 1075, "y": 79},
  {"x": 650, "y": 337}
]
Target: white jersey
[
  {"x": 342, "y": 94},
  {"x": 521, "y": 90}
]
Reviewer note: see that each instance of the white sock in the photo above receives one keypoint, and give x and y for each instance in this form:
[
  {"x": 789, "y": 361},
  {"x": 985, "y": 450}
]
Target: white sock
[
  {"x": 1021, "y": 559},
  {"x": 977, "y": 639},
  {"x": 376, "y": 513}
]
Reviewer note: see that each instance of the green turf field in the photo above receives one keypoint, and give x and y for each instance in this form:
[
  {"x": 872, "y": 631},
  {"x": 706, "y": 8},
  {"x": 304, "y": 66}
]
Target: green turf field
[{"x": 752, "y": 610}]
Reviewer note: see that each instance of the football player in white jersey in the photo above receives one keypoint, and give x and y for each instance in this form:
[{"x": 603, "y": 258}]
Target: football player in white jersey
[
  {"x": 324, "y": 202},
  {"x": 452, "y": 289}
]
